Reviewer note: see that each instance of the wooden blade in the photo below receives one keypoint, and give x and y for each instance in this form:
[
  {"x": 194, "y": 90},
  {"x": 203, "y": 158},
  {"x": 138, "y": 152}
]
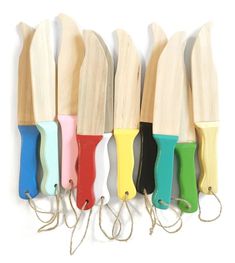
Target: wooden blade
[
  {"x": 109, "y": 89},
  {"x": 92, "y": 87},
  {"x": 127, "y": 84},
  {"x": 159, "y": 41},
  {"x": 43, "y": 74},
  {"x": 170, "y": 82},
  {"x": 25, "y": 101},
  {"x": 70, "y": 59},
  {"x": 204, "y": 79},
  {"x": 187, "y": 128}
]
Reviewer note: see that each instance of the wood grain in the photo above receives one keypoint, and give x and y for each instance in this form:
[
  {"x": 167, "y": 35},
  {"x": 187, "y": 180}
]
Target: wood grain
[
  {"x": 70, "y": 59},
  {"x": 43, "y": 74},
  {"x": 127, "y": 84},
  {"x": 92, "y": 87},
  {"x": 204, "y": 78},
  {"x": 187, "y": 128},
  {"x": 158, "y": 42},
  {"x": 25, "y": 100},
  {"x": 109, "y": 89},
  {"x": 170, "y": 82}
]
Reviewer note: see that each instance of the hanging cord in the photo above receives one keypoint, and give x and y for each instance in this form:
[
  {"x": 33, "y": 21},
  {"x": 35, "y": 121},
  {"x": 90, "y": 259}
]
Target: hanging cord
[
  {"x": 178, "y": 214},
  {"x": 220, "y": 208},
  {"x": 124, "y": 202},
  {"x": 56, "y": 215},
  {"x": 179, "y": 219},
  {"x": 72, "y": 251},
  {"x": 100, "y": 219},
  {"x": 151, "y": 212},
  {"x": 37, "y": 210},
  {"x": 71, "y": 196}
]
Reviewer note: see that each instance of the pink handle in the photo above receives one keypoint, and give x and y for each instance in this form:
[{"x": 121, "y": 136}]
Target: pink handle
[{"x": 69, "y": 150}]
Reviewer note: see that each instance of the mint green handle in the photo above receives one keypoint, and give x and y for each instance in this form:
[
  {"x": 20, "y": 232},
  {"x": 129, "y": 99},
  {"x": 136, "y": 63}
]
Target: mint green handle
[
  {"x": 164, "y": 169},
  {"x": 187, "y": 176},
  {"x": 49, "y": 156}
]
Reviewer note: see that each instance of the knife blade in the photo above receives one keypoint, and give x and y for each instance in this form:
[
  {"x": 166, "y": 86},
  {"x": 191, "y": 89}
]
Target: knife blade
[
  {"x": 101, "y": 154},
  {"x": 70, "y": 58},
  {"x": 91, "y": 116},
  {"x": 126, "y": 112},
  {"x": 26, "y": 122},
  {"x": 43, "y": 86},
  {"x": 167, "y": 116},
  {"x": 205, "y": 108},
  {"x": 145, "y": 179}
]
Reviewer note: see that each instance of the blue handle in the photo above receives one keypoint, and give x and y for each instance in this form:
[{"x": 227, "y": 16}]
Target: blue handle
[
  {"x": 49, "y": 156},
  {"x": 164, "y": 169},
  {"x": 28, "y": 161}
]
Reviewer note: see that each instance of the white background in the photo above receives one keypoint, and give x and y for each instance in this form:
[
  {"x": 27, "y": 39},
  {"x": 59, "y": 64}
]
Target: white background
[{"x": 196, "y": 241}]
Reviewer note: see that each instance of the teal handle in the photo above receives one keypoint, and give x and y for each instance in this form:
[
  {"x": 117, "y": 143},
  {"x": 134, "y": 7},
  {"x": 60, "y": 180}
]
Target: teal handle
[
  {"x": 49, "y": 156},
  {"x": 164, "y": 169},
  {"x": 185, "y": 153}
]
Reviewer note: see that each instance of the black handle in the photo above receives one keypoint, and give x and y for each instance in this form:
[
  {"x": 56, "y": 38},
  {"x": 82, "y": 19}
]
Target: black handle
[{"x": 148, "y": 152}]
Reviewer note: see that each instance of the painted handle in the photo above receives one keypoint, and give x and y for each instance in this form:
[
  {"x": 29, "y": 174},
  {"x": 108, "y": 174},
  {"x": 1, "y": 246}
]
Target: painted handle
[
  {"x": 49, "y": 156},
  {"x": 69, "y": 153},
  {"x": 86, "y": 170},
  {"x": 102, "y": 169},
  {"x": 148, "y": 152},
  {"x": 207, "y": 136},
  {"x": 125, "y": 160},
  {"x": 28, "y": 161},
  {"x": 187, "y": 176},
  {"x": 164, "y": 169}
]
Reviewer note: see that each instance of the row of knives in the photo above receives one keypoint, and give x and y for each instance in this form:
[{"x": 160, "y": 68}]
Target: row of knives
[{"x": 88, "y": 99}]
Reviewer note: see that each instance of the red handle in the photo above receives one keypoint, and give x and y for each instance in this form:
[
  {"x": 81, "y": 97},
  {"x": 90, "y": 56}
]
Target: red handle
[{"x": 86, "y": 169}]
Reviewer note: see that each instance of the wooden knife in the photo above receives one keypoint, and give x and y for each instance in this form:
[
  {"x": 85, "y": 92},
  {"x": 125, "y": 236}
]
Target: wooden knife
[
  {"x": 167, "y": 116},
  {"x": 70, "y": 58},
  {"x": 102, "y": 155},
  {"x": 205, "y": 108},
  {"x": 26, "y": 122},
  {"x": 91, "y": 116},
  {"x": 126, "y": 111},
  {"x": 185, "y": 152},
  {"x": 145, "y": 179},
  {"x": 44, "y": 89}
]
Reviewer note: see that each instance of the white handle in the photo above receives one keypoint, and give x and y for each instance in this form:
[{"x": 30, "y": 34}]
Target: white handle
[{"x": 102, "y": 169}]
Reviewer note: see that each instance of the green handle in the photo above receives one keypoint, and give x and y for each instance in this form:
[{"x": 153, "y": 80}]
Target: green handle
[{"x": 185, "y": 153}]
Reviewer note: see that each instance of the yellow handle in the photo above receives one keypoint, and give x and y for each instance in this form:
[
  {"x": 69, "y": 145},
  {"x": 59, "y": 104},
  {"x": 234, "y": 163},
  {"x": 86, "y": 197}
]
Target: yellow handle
[
  {"x": 207, "y": 136},
  {"x": 125, "y": 160}
]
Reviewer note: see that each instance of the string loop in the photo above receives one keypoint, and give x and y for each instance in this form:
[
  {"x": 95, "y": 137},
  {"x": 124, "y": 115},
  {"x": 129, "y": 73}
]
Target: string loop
[
  {"x": 72, "y": 251},
  {"x": 124, "y": 202},
  {"x": 220, "y": 208},
  {"x": 70, "y": 195},
  {"x": 100, "y": 219},
  {"x": 179, "y": 219},
  {"x": 56, "y": 216}
]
